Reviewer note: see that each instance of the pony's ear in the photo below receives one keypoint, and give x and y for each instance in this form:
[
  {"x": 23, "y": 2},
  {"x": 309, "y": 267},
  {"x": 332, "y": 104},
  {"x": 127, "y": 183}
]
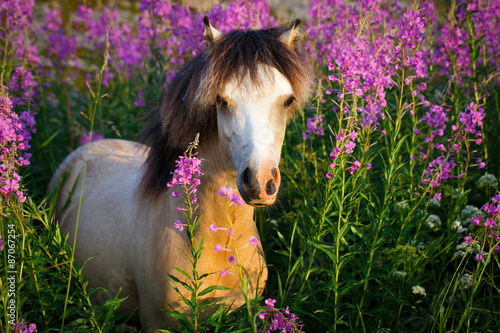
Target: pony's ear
[
  {"x": 211, "y": 34},
  {"x": 291, "y": 37}
]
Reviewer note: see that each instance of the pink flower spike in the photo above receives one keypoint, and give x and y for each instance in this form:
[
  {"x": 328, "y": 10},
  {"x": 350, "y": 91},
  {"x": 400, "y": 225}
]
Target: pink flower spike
[
  {"x": 213, "y": 228},
  {"x": 217, "y": 248},
  {"x": 223, "y": 272},
  {"x": 253, "y": 241}
]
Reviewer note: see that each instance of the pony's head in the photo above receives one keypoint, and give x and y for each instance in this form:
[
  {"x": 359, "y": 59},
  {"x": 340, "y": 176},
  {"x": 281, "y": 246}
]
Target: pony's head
[{"x": 241, "y": 90}]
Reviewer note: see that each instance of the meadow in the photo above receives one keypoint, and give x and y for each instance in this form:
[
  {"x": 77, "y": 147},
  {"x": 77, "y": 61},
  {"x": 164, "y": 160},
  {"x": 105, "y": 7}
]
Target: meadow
[{"x": 387, "y": 215}]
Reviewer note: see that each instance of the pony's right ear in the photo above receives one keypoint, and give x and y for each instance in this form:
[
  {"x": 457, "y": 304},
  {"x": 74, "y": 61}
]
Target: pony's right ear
[
  {"x": 291, "y": 37},
  {"x": 211, "y": 34}
]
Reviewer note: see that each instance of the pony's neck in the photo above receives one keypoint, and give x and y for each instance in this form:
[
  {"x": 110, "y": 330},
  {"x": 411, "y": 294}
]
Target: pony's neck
[{"x": 218, "y": 171}]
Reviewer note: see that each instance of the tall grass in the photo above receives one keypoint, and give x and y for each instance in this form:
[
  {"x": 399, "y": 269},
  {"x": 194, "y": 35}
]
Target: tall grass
[{"x": 387, "y": 214}]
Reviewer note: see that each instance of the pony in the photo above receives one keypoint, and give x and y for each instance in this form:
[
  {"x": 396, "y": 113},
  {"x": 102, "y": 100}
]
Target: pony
[{"x": 238, "y": 95}]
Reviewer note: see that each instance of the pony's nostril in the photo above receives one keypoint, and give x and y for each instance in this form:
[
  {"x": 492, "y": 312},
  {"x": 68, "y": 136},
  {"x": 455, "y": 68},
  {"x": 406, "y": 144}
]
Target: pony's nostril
[
  {"x": 270, "y": 187},
  {"x": 245, "y": 178},
  {"x": 273, "y": 172}
]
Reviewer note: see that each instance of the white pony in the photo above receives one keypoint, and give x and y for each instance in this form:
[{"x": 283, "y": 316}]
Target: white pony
[{"x": 238, "y": 94}]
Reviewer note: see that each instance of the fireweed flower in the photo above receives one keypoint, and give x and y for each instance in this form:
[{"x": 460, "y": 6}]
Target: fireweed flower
[
  {"x": 1, "y": 243},
  {"x": 90, "y": 136},
  {"x": 22, "y": 327},
  {"x": 279, "y": 320},
  {"x": 232, "y": 198},
  {"x": 187, "y": 175},
  {"x": 179, "y": 225},
  {"x": 314, "y": 126},
  {"x": 15, "y": 133}
]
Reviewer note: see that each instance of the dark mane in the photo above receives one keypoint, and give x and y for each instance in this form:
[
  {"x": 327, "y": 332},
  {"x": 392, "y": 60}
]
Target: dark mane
[{"x": 189, "y": 105}]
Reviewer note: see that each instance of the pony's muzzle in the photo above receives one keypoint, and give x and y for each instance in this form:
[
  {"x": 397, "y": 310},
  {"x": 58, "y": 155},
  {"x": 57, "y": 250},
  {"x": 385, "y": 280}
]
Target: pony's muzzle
[{"x": 260, "y": 187}]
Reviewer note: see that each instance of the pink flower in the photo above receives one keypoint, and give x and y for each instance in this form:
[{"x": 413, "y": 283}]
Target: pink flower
[
  {"x": 368, "y": 166},
  {"x": 213, "y": 228},
  {"x": 179, "y": 225},
  {"x": 270, "y": 303},
  {"x": 468, "y": 240},
  {"x": 223, "y": 272},
  {"x": 356, "y": 165},
  {"x": 233, "y": 198},
  {"x": 90, "y": 136},
  {"x": 253, "y": 241},
  {"x": 479, "y": 256},
  {"x": 217, "y": 248},
  {"x": 328, "y": 175},
  {"x": 438, "y": 196}
]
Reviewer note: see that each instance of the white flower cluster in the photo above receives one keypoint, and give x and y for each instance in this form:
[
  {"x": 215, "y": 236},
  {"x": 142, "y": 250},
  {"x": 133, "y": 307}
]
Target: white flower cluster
[
  {"x": 456, "y": 225},
  {"x": 384, "y": 330},
  {"x": 418, "y": 290},
  {"x": 419, "y": 246},
  {"x": 471, "y": 211},
  {"x": 434, "y": 203},
  {"x": 487, "y": 181},
  {"x": 467, "y": 280},
  {"x": 402, "y": 205},
  {"x": 432, "y": 221},
  {"x": 399, "y": 273},
  {"x": 464, "y": 248}
]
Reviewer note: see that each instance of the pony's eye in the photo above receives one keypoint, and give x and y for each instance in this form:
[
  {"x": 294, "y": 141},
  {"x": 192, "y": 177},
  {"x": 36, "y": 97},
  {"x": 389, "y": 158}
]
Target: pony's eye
[
  {"x": 289, "y": 102},
  {"x": 221, "y": 102}
]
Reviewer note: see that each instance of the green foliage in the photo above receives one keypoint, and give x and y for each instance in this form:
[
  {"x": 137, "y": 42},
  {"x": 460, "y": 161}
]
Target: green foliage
[{"x": 42, "y": 261}]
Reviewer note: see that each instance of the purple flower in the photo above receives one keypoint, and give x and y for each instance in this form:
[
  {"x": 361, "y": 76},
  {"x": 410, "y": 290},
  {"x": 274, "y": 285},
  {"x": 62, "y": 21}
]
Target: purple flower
[
  {"x": 232, "y": 259},
  {"x": 90, "y": 136},
  {"x": 314, "y": 126}
]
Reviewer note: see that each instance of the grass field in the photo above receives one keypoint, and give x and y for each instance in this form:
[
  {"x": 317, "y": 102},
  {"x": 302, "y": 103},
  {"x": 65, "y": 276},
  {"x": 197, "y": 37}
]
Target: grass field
[{"x": 388, "y": 209}]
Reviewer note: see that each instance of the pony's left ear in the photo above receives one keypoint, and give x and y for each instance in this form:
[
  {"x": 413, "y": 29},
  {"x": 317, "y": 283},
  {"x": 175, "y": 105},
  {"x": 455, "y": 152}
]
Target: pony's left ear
[
  {"x": 291, "y": 37},
  {"x": 210, "y": 34}
]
